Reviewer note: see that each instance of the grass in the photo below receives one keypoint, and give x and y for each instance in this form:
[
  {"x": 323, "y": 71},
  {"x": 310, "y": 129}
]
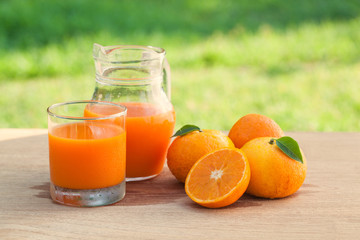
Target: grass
[{"x": 297, "y": 62}]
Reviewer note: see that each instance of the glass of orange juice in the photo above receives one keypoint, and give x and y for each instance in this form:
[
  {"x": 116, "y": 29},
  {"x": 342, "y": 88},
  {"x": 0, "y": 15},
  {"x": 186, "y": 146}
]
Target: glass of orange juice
[{"x": 87, "y": 154}]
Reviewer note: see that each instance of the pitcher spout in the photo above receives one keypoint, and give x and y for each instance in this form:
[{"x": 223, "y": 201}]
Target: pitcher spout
[{"x": 99, "y": 51}]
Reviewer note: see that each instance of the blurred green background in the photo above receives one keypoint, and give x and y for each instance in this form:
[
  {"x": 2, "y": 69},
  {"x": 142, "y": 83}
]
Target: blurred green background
[{"x": 296, "y": 61}]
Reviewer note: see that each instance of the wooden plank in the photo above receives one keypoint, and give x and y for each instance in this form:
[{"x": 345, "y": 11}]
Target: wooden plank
[{"x": 326, "y": 206}]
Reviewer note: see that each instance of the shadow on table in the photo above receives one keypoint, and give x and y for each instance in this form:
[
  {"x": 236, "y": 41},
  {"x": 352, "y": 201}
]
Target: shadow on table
[
  {"x": 250, "y": 201},
  {"x": 160, "y": 190}
]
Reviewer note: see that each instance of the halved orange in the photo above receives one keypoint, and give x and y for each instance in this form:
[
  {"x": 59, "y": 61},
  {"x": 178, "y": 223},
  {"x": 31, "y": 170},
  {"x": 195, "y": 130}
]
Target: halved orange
[{"x": 219, "y": 178}]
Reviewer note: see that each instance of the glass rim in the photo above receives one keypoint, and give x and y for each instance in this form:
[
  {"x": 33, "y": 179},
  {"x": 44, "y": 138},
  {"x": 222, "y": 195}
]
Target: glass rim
[
  {"x": 51, "y": 113},
  {"x": 108, "y": 49}
]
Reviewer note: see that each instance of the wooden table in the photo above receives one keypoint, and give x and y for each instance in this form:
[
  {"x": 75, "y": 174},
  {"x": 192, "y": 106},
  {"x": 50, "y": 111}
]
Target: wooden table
[{"x": 327, "y": 206}]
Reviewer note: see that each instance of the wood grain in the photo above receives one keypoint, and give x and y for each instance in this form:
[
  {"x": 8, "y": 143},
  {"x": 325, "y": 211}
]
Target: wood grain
[{"x": 327, "y": 206}]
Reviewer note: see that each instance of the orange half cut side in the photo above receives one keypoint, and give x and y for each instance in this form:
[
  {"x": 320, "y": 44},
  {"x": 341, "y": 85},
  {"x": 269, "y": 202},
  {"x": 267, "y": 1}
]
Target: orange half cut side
[{"x": 219, "y": 178}]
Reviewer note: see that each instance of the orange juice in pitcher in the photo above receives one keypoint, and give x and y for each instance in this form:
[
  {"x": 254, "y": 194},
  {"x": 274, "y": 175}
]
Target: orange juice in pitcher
[{"x": 138, "y": 77}]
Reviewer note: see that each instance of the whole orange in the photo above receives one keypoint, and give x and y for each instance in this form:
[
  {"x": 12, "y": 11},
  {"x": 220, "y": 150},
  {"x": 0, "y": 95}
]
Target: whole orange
[
  {"x": 185, "y": 150},
  {"x": 273, "y": 173},
  {"x": 253, "y": 126}
]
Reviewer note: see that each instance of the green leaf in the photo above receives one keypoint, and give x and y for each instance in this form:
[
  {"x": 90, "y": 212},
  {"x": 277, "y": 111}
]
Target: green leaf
[
  {"x": 186, "y": 129},
  {"x": 290, "y": 147}
]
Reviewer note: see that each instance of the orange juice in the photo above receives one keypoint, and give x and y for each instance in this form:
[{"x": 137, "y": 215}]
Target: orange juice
[
  {"x": 148, "y": 129},
  {"x": 82, "y": 155}
]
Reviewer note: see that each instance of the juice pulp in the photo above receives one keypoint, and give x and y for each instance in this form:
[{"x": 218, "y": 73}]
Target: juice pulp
[
  {"x": 148, "y": 130},
  {"x": 87, "y": 155}
]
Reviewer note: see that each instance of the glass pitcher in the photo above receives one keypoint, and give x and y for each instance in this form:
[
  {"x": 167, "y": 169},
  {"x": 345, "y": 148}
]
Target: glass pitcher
[{"x": 138, "y": 77}]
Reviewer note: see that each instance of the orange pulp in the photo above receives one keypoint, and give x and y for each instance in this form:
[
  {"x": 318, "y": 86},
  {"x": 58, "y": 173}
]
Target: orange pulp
[{"x": 87, "y": 155}]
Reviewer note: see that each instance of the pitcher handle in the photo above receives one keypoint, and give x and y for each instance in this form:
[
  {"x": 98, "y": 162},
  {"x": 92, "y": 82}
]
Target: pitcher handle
[{"x": 167, "y": 79}]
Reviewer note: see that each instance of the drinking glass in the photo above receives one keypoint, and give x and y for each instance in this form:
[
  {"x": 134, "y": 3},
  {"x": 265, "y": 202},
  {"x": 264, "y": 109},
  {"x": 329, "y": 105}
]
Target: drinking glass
[{"x": 87, "y": 152}]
